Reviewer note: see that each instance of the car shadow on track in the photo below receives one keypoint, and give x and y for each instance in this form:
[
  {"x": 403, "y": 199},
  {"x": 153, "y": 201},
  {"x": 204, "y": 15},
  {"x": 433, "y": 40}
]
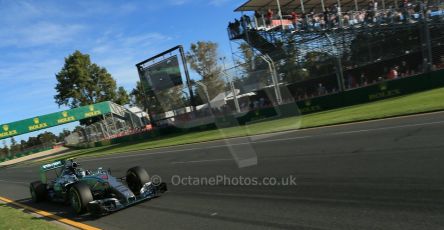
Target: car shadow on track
[{"x": 58, "y": 210}]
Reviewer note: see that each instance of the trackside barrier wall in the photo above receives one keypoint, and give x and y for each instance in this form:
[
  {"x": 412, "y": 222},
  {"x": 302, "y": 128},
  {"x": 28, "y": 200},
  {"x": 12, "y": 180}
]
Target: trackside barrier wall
[{"x": 371, "y": 93}]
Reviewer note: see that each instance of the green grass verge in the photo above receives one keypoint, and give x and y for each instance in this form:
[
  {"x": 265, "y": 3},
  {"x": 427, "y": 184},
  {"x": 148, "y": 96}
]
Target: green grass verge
[
  {"x": 432, "y": 100},
  {"x": 11, "y": 218}
]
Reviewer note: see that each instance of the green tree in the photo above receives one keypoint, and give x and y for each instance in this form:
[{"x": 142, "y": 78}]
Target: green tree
[
  {"x": 319, "y": 63},
  {"x": 33, "y": 141},
  {"x": 81, "y": 82},
  {"x": 146, "y": 96},
  {"x": 122, "y": 96},
  {"x": 247, "y": 56},
  {"x": 255, "y": 69},
  {"x": 171, "y": 99},
  {"x": 3, "y": 153},
  {"x": 137, "y": 96},
  {"x": 23, "y": 145},
  {"x": 15, "y": 148},
  {"x": 47, "y": 138},
  {"x": 62, "y": 135},
  {"x": 5, "y": 149},
  {"x": 203, "y": 58},
  {"x": 78, "y": 129},
  {"x": 291, "y": 68}
]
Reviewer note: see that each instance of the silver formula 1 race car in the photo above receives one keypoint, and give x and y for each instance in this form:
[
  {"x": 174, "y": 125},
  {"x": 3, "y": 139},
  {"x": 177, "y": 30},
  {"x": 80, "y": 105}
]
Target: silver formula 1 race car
[{"x": 96, "y": 192}]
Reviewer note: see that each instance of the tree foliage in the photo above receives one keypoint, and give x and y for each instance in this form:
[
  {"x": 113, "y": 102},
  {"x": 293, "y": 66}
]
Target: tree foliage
[
  {"x": 203, "y": 58},
  {"x": 81, "y": 82},
  {"x": 15, "y": 147},
  {"x": 255, "y": 69},
  {"x": 144, "y": 97},
  {"x": 4, "y": 152},
  {"x": 62, "y": 135},
  {"x": 122, "y": 96},
  {"x": 137, "y": 96},
  {"x": 172, "y": 98},
  {"x": 46, "y": 139}
]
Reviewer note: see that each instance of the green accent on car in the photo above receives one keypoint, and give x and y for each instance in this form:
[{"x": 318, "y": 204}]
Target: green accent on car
[{"x": 75, "y": 201}]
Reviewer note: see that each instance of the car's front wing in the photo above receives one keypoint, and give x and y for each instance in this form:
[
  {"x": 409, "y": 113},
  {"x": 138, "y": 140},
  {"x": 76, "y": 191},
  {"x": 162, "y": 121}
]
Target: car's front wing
[{"x": 108, "y": 205}]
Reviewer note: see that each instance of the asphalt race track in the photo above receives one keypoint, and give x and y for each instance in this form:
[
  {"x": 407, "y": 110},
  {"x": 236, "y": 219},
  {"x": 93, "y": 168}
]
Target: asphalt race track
[{"x": 375, "y": 175}]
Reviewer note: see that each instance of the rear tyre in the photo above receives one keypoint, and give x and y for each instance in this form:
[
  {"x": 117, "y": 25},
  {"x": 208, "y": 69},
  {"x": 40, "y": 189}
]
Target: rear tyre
[
  {"x": 38, "y": 191},
  {"x": 162, "y": 187},
  {"x": 79, "y": 197},
  {"x": 135, "y": 178}
]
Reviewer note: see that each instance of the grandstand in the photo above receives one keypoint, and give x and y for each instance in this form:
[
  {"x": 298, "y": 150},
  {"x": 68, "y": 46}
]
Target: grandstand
[
  {"x": 119, "y": 122},
  {"x": 104, "y": 120},
  {"x": 306, "y": 56},
  {"x": 323, "y": 47}
]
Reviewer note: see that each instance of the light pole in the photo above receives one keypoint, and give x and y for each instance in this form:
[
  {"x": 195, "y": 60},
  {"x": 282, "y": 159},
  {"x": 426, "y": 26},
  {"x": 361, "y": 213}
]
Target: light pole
[
  {"x": 273, "y": 73},
  {"x": 340, "y": 73},
  {"x": 233, "y": 89},
  {"x": 222, "y": 59},
  {"x": 204, "y": 87}
]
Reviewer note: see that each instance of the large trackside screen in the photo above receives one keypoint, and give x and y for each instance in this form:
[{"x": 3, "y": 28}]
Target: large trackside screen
[{"x": 163, "y": 75}]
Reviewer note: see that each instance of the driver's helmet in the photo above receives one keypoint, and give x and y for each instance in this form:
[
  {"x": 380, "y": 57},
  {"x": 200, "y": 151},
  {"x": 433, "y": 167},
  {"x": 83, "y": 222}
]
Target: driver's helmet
[
  {"x": 70, "y": 167},
  {"x": 81, "y": 173}
]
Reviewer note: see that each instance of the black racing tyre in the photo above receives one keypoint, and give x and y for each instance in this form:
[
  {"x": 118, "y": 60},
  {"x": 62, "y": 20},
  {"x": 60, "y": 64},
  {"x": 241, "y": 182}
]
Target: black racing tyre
[
  {"x": 38, "y": 191},
  {"x": 162, "y": 187},
  {"x": 135, "y": 178},
  {"x": 79, "y": 197}
]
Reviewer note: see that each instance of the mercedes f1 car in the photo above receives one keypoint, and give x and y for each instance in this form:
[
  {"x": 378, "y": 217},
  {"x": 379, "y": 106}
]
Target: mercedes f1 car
[{"x": 96, "y": 192}]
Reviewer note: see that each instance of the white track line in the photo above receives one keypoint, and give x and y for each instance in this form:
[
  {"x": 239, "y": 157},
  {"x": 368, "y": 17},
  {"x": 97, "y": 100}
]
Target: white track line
[
  {"x": 14, "y": 182},
  {"x": 270, "y": 141},
  {"x": 201, "y": 161},
  {"x": 150, "y": 152}
]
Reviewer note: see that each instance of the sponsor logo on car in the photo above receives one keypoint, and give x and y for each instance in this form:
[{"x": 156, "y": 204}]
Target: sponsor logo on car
[{"x": 52, "y": 165}]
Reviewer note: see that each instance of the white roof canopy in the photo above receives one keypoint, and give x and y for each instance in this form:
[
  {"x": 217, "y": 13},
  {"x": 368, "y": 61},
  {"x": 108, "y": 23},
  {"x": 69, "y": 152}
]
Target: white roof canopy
[{"x": 290, "y": 5}]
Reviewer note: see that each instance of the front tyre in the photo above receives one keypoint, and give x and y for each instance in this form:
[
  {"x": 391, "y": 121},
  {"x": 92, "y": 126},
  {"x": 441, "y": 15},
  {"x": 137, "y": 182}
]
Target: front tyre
[
  {"x": 38, "y": 191},
  {"x": 135, "y": 178},
  {"x": 79, "y": 197}
]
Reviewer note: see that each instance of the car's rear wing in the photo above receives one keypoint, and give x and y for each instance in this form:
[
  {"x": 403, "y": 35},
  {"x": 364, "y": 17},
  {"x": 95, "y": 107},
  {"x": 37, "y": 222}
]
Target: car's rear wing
[{"x": 52, "y": 166}]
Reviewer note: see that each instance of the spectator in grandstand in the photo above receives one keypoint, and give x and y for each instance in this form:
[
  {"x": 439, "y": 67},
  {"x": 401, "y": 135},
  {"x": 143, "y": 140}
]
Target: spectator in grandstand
[
  {"x": 404, "y": 69},
  {"x": 255, "y": 104},
  {"x": 404, "y": 6},
  {"x": 363, "y": 81},
  {"x": 243, "y": 23},
  {"x": 441, "y": 65},
  {"x": 346, "y": 19},
  {"x": 370, "y": 13},
  {"x": 326, "y": 16},
  {"x": 251, "y": 105},
  {"x": 262, "y": 102},
  {"x": 294, "y": 19},
  {"x": 259, "y": 19},
  {"x": 321, "y": 89},
  {"x": 246, "y": 22},
  {"x": 231, "y": 29},
  {"x": 393, "y": 73},
  {"x": 332, "y": 17},
  {"x": 236, "y": 27},
  {"x": 269, "y": 17},
  {"x": 350, "y": 81}
]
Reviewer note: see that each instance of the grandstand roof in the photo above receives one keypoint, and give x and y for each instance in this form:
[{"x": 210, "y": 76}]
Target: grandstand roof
[{"x": 258, "y": 5}]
